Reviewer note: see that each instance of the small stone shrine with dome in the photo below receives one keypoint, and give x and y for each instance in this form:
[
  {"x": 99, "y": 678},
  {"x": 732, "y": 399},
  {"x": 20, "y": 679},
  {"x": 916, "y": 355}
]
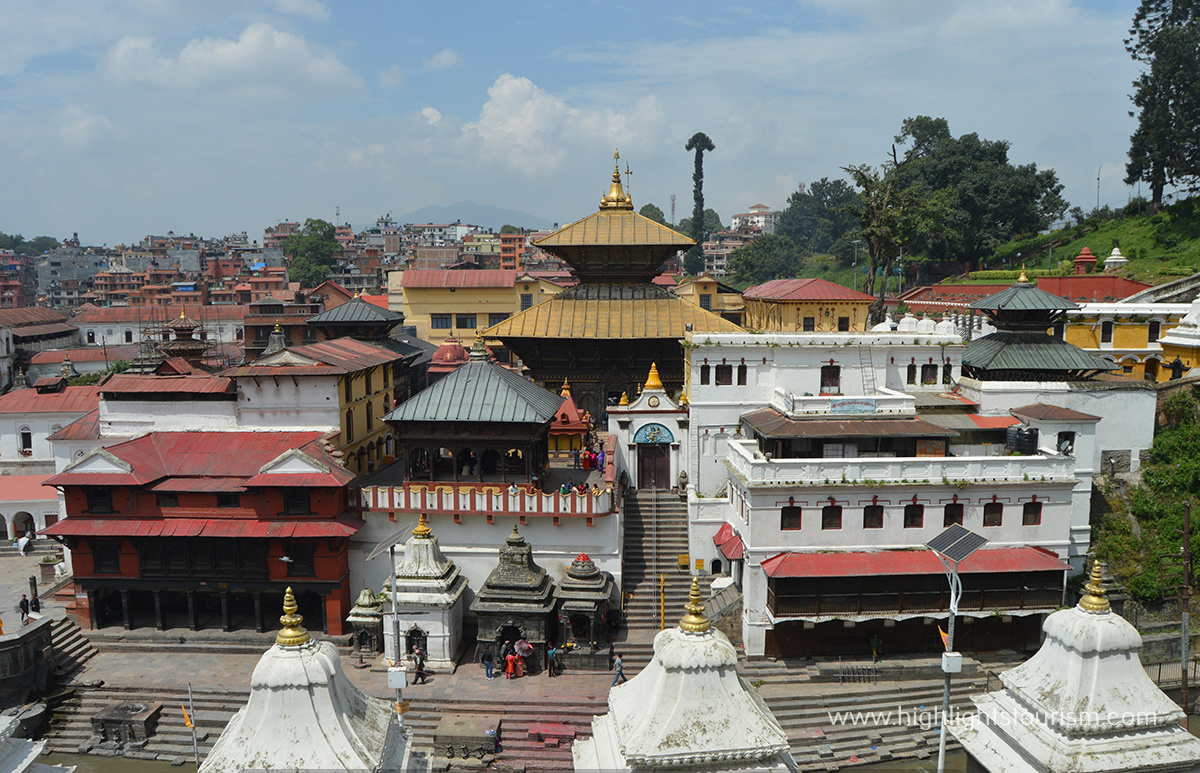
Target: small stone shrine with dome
[
  {"x": 1083, "y": 703},
  {"x": 516, "y": 602},
  {"x": 366, "y": 622},
  {"x": 583, "y": 606},
  {"x": 304, "y": 714},
  {"x": 429, "y": 601},
  {"x": 688, "y": 711}
]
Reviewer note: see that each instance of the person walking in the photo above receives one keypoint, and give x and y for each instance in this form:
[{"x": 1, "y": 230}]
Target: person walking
[
  {"x": 23, "y": 608},
  {"x": 487, "y": 662},
  {"x": 551, "y": 656},
  {"x": 619, "y": 667},
  {"x": 510, "y": 666},
  {"x": 419, "y": 661}
]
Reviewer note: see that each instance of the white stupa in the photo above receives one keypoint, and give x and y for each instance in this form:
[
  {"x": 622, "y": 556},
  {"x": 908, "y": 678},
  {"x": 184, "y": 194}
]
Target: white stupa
[
  {"x": 304, "y": 714},
  {"x": 1115, "y": 259},
  {"x": 429, "y": 600},
  {"x": 686, "y": 711},
  {"x": 19, "y": 755},
  {"x": 1083, "y": 704}
]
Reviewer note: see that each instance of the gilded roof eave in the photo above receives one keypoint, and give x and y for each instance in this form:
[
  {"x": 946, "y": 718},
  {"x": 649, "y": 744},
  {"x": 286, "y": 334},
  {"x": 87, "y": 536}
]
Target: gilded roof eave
[
  {"x": 616, "y": 319},
  {"x": 613, "y": 227}
]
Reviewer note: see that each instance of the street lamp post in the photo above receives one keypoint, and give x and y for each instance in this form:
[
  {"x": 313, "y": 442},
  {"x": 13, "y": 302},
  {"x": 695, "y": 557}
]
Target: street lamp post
[
  {"x": 952, "y": 547},
  {"x": 856, "y": 242},
  {"x": 1098, "y": 185}
]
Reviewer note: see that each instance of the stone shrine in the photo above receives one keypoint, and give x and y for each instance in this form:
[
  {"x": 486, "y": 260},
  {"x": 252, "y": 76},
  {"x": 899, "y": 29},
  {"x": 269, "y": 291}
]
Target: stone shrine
[
  {"x": 429, "y": 601},
  {"x": 366, "y": 622},
  {"x": 583, "y": 607},
  {"x": 1083, "y": 703},
  {"x": 686, "y": 711},
  {"x": 516, "y": 602}
]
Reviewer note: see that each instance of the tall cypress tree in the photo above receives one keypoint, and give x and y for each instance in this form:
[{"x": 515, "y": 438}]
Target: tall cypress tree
[{"x": 694, "y": 263}]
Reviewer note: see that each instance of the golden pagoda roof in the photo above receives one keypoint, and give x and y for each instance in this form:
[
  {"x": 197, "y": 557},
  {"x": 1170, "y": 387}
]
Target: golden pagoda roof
[
  {"x": 614, "y": 227},
  {"x": 624, "y": 315}
]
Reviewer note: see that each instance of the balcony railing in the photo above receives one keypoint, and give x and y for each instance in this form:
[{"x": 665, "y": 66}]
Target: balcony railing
[
  {"x": 902, "y": 603},
  {"x": 750, "y": 464},
  {"x": 485, "y": 499},
  {"x": 883, "y": 401}
]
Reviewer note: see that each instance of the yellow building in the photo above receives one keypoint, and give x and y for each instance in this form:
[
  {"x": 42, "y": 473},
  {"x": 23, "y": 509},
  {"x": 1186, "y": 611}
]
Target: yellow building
[
  {"x": 1127, "y": 334},
  {"x": 714, "y": 296},
  {"x": 439, "y": 303},
  {"x": 805, "y": 305}
]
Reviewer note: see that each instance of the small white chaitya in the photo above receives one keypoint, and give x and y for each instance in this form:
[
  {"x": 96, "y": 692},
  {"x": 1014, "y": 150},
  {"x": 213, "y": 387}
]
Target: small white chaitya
[
  {"x": 304, "y": 714},
  {"x": 429, "y": 601},
  {"x": 1083, "y": 704},
  {"x": 686, "y": 711}
]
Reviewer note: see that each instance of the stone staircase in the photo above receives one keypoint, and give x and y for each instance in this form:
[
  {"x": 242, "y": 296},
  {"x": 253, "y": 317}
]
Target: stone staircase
[
  {"x": 38, "y": 547},
  {"x": 71, "y": 648},
  {"x": 655, "y": 537}
]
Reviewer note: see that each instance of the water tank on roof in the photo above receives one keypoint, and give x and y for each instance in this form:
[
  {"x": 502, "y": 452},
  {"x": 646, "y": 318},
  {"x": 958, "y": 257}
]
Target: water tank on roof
[{"x": 1022, "y": 440}]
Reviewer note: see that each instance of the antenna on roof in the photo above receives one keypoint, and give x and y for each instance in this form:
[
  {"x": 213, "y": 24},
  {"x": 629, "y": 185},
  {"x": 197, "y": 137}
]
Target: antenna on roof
[
  {"x": 672, "y": 210},
  {"x": 337, "y": 215}
]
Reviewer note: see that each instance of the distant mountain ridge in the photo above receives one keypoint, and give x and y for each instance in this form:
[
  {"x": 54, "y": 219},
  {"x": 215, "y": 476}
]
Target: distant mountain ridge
[{"x": 483, "y": 215}]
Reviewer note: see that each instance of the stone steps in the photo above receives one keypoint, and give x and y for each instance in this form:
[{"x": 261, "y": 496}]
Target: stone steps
[
  {"x": 655, "y": 537},
  {"x": 71, "y": 647}
]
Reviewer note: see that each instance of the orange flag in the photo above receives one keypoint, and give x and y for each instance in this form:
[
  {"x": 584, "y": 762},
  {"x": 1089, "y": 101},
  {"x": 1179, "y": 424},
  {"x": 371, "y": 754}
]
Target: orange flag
[
  {"x": 187, "y": 721},
  {"x": 945, "y": 638}
]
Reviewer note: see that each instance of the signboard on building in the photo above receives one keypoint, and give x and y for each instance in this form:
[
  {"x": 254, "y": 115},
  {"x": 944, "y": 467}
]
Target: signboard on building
[{"x": 852, "y": 405}]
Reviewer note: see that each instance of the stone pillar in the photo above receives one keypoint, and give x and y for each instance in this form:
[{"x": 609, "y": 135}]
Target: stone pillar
[
  {"x": 225, "y": 625},
  {"x": 258, "y": 616},
  {"x": 92, "y": 601},
  {"x": 126, "y": 619},
  {"x": 193, "y": 623},
  {"x": 158, "y": 613},
  {"x": 10, "y": 525}
]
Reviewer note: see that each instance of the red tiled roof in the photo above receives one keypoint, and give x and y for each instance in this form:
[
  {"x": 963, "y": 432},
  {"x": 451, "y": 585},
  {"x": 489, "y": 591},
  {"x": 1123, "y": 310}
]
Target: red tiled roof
[
  {"x": 992, "y": 422},
  {"x": 92, "y": 315},
  {"x": 30, "y": 315},
  {"x": 25, "y": 488},
  {"x": 234, "y": 455},
  {"x": 77, "y": 399},
  {"x": 805, "y": 290},
  {"x": 341, "y": 355},
  {"x": 454, "y": 278},
  {"x": 730, "y": 544},
  {"x": 126, "y": 383},
  {"x": 343, "y": 526},
  {"x": 1051, "y": 413},
  {"x": 897, "y": 562},
  {"x": 664, "y": 280},
  {"x": 86, "y": 354},
  {"x": 52, "y": 328},
  {"x": 86, "y": 427}
]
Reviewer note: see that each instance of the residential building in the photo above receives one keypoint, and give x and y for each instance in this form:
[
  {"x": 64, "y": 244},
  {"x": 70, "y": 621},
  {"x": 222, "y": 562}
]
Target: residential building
[
  {"x": 8, "y": 356},
  {"x": 29, "y": 416},
  {"x": 266, "y": 315},
  {"x": 512, "y": 247},
  {"x": 274, "y": 236},
  {"x": 1128, "y": 334},
  {"x": 760, "y": 216},
  {"x": 720, "y": 245},
  {"x": 805, "y": 305},
  {"x": 193, "y": 530},
  {"x": 117, "y": 325},
  {"x": 13, "y": 292},
  {"x": 84, "y": 360}
]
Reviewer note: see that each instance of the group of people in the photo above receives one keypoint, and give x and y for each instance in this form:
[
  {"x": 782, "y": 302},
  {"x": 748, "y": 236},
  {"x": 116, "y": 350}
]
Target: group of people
[
  {"x": 26, "y": 606},
  {"x": 587, "y": 460},
  {"x": 512, "y": 663},
  {"x": 578, "y": 488}
]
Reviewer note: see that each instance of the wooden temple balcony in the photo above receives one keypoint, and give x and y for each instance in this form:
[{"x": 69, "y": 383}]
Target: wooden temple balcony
[{"x": 487, "y": 499}]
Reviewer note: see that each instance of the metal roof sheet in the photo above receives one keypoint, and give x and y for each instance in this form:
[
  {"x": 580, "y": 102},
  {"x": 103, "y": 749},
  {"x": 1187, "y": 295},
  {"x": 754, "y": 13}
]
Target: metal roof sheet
[
  {"x": 1045, "y": 412},
  {"x": 480, "y": 391},
  {"x": 1023, "y": 296},
  {"x": 805, "y": 290},
  {"x": 355, "y": 310},
  {"x": 898, "y": 562},
  {"x": 344, "y": 525},
  {"x": 29, "y": 315},
  {"x": 992, "y": 422},
  {"x": 614, "y": 227},
  {"x": 1030, "y": 351},
  {"x": 52, "y": 328},
  {"x": 127, "y": 383},
  {"x": 441, "y": 277},
  {"x": 612, "y": 312},
  {"x": 77, "y": 399},
  {"x": 729, "y": 543},
  {"x": 771, "y": 423},
  {"x": 86, "y": 427},
  {"x": 86, "y": 354},
  {"x": 26, "y": 488},
  {"x": 145, "y": 315}
]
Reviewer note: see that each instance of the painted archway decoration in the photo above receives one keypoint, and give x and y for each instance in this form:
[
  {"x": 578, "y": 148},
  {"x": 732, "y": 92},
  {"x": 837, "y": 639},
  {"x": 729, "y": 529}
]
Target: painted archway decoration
[{"x": 653, "y": 433}]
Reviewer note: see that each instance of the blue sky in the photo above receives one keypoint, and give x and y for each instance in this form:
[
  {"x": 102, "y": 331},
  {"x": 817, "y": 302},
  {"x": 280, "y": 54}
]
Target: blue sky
[{"x": 120, "y": 119}]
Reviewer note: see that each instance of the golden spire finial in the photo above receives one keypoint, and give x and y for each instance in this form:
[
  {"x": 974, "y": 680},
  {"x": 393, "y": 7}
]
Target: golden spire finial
[
  {"x": 624, "y": 399},
  {"x": 694, "y": 621},
  {"x": 278, "y": 329},
  {"x": 1022, "y": 277},
  {"x": 566, "y": 389},
  {"x": 653, "y": 381},
  {"x": 182, "y": 315},
  {"x": 292, "y": 634},
  {"x": 422, "y": 528},
  {"x": 1096, "y": 598},
  {"x": 616, "y": 197},
  {"x": 683, "y": 401}
]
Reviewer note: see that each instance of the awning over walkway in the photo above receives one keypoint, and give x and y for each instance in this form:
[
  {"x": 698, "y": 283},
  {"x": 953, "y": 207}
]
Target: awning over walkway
[
  {"x": 729, "y": 543},
  {"x": 343, "y": 526},
  {"x": 898, "y": 562}
]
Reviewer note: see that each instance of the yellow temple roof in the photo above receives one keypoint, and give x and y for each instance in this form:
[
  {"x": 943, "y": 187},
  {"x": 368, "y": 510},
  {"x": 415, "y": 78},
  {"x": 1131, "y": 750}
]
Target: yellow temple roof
[
  {"x": 611, "y": 316},
  {"x": 614, "y": 227}
]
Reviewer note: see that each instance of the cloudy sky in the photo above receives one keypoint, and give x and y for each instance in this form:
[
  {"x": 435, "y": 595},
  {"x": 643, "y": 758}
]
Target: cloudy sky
[{"x": 120, "y": 119}]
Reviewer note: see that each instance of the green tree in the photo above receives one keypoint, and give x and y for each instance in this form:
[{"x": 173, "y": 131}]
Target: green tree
[
  {"x": 700, "y": 143},
  {"x": 654, "y": 213},
  {"x": 993, "y": 201},
  {"x": 770, "y": 256},
  {"x": 509, "y": 229},
  {"x": 816, "y": 217},
  {"x": 1164, "y": 149},
  {"x": 712, "y": 223},
  {"x": 313, "y": 252},
  {"x": 21, "y": 246}
]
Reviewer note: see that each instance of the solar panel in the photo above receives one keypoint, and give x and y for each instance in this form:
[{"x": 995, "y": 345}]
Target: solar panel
[{"x": 956, "y": 543}]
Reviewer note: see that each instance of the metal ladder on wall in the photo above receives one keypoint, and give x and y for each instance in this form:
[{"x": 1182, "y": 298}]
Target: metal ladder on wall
[{"x": 868, "y": 370}]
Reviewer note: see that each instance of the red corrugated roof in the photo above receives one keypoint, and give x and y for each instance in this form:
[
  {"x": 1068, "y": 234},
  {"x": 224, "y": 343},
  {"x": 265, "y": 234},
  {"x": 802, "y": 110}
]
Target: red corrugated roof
[
  {"x": 53, "y": 328},
  {"x": 125, "y": 383},
  {"x": 86, "y": 354},
  {"x": 342, "y": 526},
  {"x": 1052, "y": 413},
  {"x": 77, "y": 399},
  {"x": 729, "y": 543},
  {"x": 459, "y": 278},
  {"x": 86, "y": 427},
  {"x": 29, "y": 315},
  {"x": 25, "y": 488},
  {"x": 896, "y": 562},
  {"x": 92, "y": 315},
  {"x": 342, "y": 355},
  {"x": 992, "y": 422},
  {"x": 805, "y": 290}
]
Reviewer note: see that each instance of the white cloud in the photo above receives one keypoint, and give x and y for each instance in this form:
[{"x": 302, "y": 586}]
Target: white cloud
[
  {"x": 313, "y": 9},
  {"x": 432, "y": 115},
  {"x": 263, "y": 63},
  {"x": 442, "y": 60},
  {"x": 392, "y": 77},
  {"x": 83, "y": 131}
]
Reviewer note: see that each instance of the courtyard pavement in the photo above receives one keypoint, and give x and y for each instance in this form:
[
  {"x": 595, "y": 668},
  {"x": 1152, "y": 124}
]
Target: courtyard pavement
[{"x": 15, "y": 571}]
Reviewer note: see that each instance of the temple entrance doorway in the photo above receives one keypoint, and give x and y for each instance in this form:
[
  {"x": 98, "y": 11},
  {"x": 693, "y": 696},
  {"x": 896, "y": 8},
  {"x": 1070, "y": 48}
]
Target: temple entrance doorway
[
  {"x": 416, "y": 638},
  {"x": 509, "y": 633},
  {"x": 654, "y": 466}
]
